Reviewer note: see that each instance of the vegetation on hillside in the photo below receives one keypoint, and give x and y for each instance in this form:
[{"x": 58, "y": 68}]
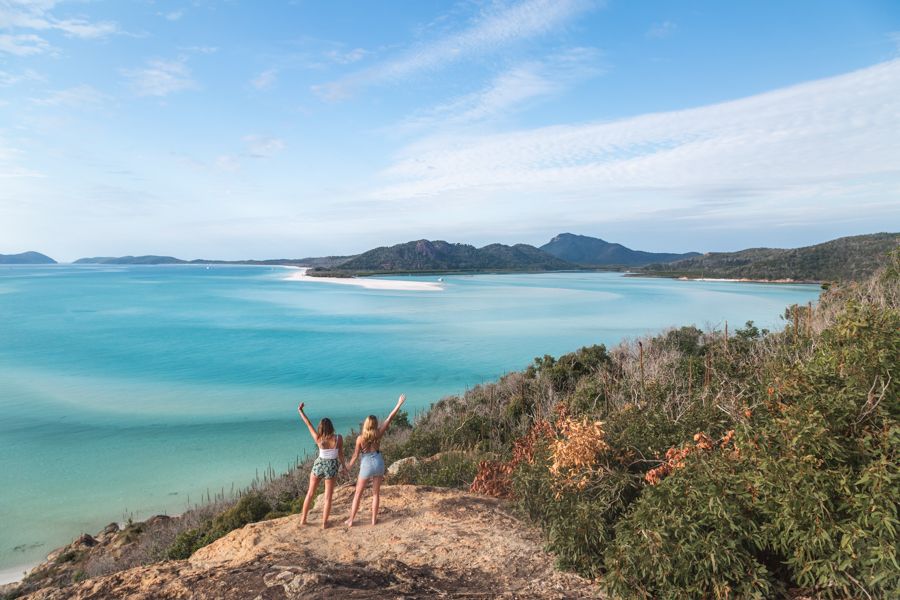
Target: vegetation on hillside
[
  {"x": 844, "y": 259},
  {"x": 428, "y": 256},
  {"x": 691, "y": 465},
  {"x": 585, "y": 250}
]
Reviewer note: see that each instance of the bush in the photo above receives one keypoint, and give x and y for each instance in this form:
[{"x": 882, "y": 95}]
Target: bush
[
  {"x": 249, "y": 509},
  {"x": 692, "y": 536},
  {"x": 448, "y": 469}
]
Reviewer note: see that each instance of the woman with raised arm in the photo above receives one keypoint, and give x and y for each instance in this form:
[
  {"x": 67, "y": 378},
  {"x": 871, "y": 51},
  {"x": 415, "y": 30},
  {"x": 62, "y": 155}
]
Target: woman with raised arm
[
  {"x": 371, "y": 463},
  {"x": 331, "y": 457}
]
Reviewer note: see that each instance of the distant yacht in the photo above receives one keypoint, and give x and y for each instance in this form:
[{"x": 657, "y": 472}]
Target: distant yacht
[{"x": 440, "y": 279}]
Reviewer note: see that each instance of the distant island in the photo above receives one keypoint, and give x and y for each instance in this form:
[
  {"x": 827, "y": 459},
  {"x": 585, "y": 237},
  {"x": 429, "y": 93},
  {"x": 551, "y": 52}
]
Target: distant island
[
  {"x": 26, "y": 258},
  {"x": 846, "y": 258},
  {"x": 152, "y": 259},
  {"x": 590, "y": 251},
  {"x": 425, "y": 256}
]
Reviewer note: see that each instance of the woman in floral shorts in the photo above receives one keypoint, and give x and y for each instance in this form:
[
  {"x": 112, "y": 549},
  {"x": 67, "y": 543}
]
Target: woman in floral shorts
[{"x": 330, "y": 459}]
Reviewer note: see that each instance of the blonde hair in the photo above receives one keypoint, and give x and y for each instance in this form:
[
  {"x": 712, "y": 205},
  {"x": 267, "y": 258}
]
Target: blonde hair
[{"x": 369, "y": 433}]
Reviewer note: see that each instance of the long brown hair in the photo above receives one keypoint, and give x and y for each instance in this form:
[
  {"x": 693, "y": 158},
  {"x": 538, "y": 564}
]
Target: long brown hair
[
  {"x": 325, "y": 430},
  {"x": 369, "y": 433}
]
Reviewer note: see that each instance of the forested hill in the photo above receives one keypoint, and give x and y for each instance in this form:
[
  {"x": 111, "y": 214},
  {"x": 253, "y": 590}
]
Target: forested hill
[
  {"x": 26, "y": 258},
  {"x": 585, "y": 250},
  {"x": 425, "y": 256},
  {"x": 847, "y": 258},
  {"x": 130, "y": 260}
]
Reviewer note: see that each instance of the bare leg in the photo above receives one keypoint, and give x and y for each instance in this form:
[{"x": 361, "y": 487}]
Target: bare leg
[
  {"x": 360, "y": 487},
  {"x": 376, "y": 497},
  {"x": 313, "y": 484},
  {"x": 326, "y": 508}
]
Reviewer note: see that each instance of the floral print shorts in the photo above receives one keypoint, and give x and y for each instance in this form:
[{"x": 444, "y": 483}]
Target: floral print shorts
[{"x": 326, "y": 468}]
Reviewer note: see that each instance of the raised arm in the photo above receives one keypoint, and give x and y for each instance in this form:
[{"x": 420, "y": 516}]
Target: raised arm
[
  {"x": 312, "y": 430},
  {"x": 391, "y": 416}
]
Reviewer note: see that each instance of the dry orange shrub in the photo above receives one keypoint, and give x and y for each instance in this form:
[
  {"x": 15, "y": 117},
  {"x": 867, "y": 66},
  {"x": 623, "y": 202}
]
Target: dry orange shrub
[
  {"x": 576, "y": 452},
  {"x": 675, "y": 457},
  {"x": 493, "y": 477}
]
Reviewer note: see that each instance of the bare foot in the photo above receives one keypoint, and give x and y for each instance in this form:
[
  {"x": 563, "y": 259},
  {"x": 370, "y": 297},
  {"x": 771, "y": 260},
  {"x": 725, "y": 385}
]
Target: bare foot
[
  {"x": 325, "y": 525},
  {"x": 349, "y": 522},
  {"x": 303, "y": 522},
  {"x": 374, "y": 520}
]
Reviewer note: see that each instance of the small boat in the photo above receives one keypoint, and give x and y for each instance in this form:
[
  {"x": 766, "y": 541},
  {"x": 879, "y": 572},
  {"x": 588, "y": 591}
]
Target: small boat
[{"x": 440, "y": 279}]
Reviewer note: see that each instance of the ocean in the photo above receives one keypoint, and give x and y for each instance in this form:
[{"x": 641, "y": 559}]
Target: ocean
[{"x": 128, "y": 391}]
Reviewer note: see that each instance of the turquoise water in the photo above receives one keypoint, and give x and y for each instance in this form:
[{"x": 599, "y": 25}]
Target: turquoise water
[{"x": 134, "y": 390}]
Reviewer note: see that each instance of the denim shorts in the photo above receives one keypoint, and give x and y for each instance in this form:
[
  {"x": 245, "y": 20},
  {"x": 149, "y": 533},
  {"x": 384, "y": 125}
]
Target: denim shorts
[{"x": 371, "y": 465}]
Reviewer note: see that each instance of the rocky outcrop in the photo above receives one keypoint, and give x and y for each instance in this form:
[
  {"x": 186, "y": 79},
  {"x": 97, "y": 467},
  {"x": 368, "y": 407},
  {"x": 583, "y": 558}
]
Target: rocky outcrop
[{"x": 429, "y": 543}]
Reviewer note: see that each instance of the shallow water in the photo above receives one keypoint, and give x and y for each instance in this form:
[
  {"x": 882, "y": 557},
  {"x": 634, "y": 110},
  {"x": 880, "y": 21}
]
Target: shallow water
[{"x": 134, "y": 390}]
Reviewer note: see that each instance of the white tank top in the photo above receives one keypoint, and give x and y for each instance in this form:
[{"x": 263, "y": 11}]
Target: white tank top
[{"x": 328, "y": 453}]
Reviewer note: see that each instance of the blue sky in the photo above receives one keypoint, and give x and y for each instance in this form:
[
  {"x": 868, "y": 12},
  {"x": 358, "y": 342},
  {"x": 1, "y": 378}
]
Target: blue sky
[{"x": 262, "y": 129}]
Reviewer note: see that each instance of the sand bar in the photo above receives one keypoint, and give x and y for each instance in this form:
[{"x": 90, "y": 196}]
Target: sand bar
[
  {"x": 13, "y": 574},
  {"x": 370, "y": 283}
]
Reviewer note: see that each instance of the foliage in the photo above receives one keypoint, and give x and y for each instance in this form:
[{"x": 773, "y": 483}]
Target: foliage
[
  {"x": 249, "y": 509},
  {"x": 448, "y": 469},
  {"x": 844, "y": 259}
]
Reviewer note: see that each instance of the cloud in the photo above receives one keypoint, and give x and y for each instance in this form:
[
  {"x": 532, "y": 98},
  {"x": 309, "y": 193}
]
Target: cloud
[
  {"x": 347, "y": 57},
  {"x": 160, "y": 78},
  {"x": 200, "y": 49},
  {"x": 8, "y": 79},
  {"x": 37, "y": 15},
  {"x": 259, "y": 146},
  {"x": 23, "y": 44},
  {"x": 796, "y": 150},
  {"x": 265, "y": 80},
  {"x": 80, "y": 96},
  {"x": 662, "y": 30},
  {"x": 488, "y": 34},
  {"x": 511, "y": 89},
  {"x": 174, "y": 15}
]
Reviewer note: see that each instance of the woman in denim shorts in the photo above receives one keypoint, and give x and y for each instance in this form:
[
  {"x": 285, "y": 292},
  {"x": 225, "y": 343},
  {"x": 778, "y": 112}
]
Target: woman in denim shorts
[{"x": 371, "y": 463}]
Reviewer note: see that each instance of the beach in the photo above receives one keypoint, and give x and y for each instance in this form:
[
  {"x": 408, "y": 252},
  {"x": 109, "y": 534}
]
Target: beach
[
  {"x": 13, "y": 574},
  {"x": 370, "y": 283}
]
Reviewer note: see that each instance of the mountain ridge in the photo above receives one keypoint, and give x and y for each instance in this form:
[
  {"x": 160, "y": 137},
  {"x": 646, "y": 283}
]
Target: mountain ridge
[
  {"x": 26, "y": 258},
  {"x": 591, "y": 251}
]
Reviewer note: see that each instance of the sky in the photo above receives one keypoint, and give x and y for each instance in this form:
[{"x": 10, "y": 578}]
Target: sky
[{"x": 235, "y": 129}]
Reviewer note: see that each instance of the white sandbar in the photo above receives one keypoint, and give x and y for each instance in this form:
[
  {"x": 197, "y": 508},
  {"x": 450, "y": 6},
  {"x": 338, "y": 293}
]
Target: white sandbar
[
  {"x": 14, "y": 574},
  {"x": 371, "y": 283}
]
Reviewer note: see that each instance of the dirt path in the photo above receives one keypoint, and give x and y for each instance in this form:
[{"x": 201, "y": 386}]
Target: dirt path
[{"x": 429, "y": 543}]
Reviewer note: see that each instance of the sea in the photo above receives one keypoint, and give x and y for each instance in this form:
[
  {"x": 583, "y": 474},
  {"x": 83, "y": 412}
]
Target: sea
[{"x": 130, "y": 391}]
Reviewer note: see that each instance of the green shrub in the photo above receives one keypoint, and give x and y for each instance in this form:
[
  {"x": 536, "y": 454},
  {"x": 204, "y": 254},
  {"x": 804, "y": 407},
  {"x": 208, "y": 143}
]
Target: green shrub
[
  {"x": 449, "y": 469},
  {"x": 692, "y": 536},
  {"x": 249, "y": 509}
]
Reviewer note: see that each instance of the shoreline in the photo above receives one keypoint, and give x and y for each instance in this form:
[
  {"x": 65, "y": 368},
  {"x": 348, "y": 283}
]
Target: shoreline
[
  {"x": 15, "y": 574},
  {"x": 299, "y": 274}
]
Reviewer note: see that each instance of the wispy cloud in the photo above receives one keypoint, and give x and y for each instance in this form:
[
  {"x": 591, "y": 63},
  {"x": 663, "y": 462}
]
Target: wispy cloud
[
  {"x": 662, "y": 30},
  {"x": 265, "y": 80},
  {"x": 8, "y": 79},
  {"x": 160, "y": 78},
  {"x": 795, "y": 149},
  {"x": 489, "y": 33},
  {"x": 261, "y": 146},
  {"x": 80, "y": 96},
  {"x": 511, "y": 89},
  {"x": 346, "y": 57},
  {"x": 25, "y": 44},
  {"x": 21, "y": 18},
  {"x": 174, "y": 15}
]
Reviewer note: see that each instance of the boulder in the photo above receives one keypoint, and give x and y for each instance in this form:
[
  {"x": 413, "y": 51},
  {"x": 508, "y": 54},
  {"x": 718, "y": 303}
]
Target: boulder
[{"x": 396, "y": 466}]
